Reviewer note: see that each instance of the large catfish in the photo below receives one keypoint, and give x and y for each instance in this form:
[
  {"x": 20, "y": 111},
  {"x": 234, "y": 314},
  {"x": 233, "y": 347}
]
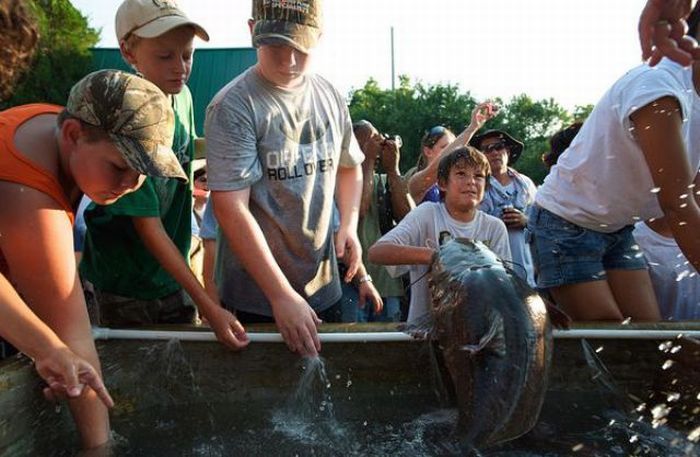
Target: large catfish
[{"x": 496, "y": 342}]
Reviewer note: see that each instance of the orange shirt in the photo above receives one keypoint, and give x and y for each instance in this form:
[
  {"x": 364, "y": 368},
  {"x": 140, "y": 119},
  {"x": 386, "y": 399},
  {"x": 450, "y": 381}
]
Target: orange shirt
[{"x": 17, "y": 168}]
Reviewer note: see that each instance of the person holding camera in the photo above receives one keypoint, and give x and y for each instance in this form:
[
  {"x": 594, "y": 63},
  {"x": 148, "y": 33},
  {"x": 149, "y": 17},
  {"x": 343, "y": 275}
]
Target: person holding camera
[{"x": 385, "y": 201}]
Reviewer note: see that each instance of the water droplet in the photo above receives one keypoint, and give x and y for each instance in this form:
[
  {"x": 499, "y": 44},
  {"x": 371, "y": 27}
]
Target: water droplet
[
  {"x": 599, "y": 349},
  {"x": 364, "y": 423},
  {"x": 655, "y": 190},
  {"x": 667, "y": 364},
  {"x": 665, "y": 346},
  {"x": 612, "y": 422},
  {"x": 673, "y": 396},
  {"x": 683, "y": 197},
  {"x": 348, "y": 384},
  {"x": 694, "y": 436},
  {"x": 578, "y": 447},
  {"x": 627, "y": 321},
  {"x": 682, "y": 223},
  {"x": 634, "y": 438},
  {"x": 641, "y": 407}
]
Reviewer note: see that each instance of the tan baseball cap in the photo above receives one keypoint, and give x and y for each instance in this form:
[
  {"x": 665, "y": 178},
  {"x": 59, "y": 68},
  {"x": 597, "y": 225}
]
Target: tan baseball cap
[
  {"x": 136, "y": 115},
  {"x": 298, "y": 23},
  {"x": 152, "y": 18}
]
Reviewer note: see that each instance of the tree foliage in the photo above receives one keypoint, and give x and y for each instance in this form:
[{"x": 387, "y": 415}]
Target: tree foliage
[
  {"x": 411, "y": 109},
  {"x": 63, "y": 55}
]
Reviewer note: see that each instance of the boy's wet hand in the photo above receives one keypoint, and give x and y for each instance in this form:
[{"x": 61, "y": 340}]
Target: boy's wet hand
[
  {"x": 67, "y": 375},
  {"x": 298, "y": 324}
]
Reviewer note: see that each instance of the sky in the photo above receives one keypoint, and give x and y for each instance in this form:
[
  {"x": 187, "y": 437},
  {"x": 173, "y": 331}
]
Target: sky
[{"x": 568, "y": 50}]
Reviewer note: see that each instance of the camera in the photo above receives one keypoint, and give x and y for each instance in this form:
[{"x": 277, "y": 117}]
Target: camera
[{"x": 395, "y": 138}]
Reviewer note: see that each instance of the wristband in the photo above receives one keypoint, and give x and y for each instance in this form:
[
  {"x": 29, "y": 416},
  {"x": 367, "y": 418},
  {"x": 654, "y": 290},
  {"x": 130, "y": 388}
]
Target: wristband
[{"x": 365, "y": 278}]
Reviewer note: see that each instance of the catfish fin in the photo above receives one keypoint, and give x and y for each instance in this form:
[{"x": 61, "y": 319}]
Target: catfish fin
[{"x": 493, "y": 340}]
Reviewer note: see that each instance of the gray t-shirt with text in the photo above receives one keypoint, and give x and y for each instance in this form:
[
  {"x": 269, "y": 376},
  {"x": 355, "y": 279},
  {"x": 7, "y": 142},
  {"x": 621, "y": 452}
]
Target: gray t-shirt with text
[{"x": 286, "y": 146}]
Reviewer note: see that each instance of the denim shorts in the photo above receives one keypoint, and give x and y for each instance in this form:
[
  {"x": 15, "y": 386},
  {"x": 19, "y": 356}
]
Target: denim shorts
[{"x": 565, "y": 253}]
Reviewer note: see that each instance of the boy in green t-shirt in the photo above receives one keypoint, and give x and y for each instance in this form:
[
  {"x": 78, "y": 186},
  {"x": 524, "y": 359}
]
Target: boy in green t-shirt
[{"x": 135, "y": 251}]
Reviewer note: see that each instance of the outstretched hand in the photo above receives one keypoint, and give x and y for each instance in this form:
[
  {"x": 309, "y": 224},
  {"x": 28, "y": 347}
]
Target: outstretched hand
[
  {"x": 67, "y": 376},
  {"x": 662, "y": 30},
  {"x": 298, "y": 324},
  {"x": 229, "y": 331}
]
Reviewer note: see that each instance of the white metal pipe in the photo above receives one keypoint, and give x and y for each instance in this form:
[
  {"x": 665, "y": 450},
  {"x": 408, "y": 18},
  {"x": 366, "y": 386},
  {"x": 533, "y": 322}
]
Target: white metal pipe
[{"x": 101, "y": 333}]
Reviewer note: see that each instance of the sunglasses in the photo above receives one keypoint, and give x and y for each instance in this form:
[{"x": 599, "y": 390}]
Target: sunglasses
[
  {"x": 433, "y": 135},
  {"x": 495, "y": 147}
]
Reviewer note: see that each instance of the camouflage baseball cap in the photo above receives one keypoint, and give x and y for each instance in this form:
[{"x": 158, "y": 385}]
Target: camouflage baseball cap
[
  {"x": 136, "y": 115},
  {"x": 296, "y": 22}
]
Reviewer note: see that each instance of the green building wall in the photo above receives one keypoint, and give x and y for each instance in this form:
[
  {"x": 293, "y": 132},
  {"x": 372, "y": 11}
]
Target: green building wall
[{"x": 212, "y": 70}]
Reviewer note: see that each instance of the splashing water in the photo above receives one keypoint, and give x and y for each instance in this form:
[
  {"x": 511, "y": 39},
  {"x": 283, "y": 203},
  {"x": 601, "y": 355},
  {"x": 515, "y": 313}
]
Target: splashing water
[{"x": 308, "y": 416}]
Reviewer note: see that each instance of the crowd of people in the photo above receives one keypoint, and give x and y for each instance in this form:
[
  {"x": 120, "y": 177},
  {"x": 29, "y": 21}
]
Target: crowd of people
[{"x": 301, "y": 216}]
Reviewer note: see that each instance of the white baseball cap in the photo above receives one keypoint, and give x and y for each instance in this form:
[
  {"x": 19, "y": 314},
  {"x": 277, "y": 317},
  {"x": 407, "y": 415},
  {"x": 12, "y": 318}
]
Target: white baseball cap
[{"x": 152, "y": 18}]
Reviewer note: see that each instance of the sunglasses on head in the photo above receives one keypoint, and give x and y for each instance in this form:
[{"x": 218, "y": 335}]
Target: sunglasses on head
[
  {"x": 495, "y": 147},
  {"x": 431, "y": 136}
]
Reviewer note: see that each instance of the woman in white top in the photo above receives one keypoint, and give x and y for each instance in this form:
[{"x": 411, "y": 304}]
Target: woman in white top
[{"x": 635, "y": 158}]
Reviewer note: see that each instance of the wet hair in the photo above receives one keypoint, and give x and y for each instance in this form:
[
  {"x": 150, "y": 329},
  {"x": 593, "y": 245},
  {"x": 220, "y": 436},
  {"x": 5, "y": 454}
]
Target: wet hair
[
  {"x": 465, "y": 156},
  {"x": 18, "y": 41},
  {"x": 559, "y": 142},
  {"x": 92, "y": 133}
]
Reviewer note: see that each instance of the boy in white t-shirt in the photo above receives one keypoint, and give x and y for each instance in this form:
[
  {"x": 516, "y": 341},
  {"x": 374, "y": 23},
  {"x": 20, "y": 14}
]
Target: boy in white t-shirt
[
  {"x": 635, "y": 158},
  {"x": 462, "y": 176}
]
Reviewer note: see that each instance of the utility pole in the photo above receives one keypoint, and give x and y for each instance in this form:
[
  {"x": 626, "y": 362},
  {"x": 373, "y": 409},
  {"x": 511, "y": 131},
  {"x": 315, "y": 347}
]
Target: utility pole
[{"x": 393, "y": 78}]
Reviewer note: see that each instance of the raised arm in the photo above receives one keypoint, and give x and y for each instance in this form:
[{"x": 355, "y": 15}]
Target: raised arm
[
  {"x": 667, "y": 159},
  {"x": 225, "y": 325},
  {"x": 295, "y": 319},
  {"x": 662, "y": 30},
  {"x": 401, "y": 201},
  {"x": 422, "y": 180}
]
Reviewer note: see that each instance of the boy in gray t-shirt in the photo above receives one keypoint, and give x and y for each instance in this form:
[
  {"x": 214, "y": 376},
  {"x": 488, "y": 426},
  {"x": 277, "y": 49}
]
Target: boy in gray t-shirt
[{"x": 277, "y": 138}]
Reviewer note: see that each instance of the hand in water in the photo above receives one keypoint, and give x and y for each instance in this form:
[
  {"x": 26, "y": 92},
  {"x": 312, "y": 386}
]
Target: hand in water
[{"x": 68, "y": 375}]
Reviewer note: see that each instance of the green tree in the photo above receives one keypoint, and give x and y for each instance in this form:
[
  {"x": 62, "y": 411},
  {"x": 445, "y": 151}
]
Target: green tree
[
  {"x": 411, "y": 109},
  {"x": 63, "y": 55}
]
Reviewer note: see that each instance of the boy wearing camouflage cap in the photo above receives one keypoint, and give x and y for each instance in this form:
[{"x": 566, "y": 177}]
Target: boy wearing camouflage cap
[
  {"x": 114, "y": 129},
  {"x": 278, "y": 140},
  {"x": 135, "y": 251}
]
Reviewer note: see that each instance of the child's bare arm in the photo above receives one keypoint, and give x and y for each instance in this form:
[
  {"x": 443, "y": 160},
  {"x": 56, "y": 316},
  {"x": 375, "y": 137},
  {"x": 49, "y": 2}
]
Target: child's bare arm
[
  {"x": 37, "y": 242},
  {"x": 227, "y": 328},
  {"x": 664, "y": 149},
  {"x": 384, "y": 253}
]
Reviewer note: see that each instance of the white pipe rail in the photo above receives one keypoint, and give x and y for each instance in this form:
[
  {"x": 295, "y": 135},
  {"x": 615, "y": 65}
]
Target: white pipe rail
[{"x": 102, "y": 333}]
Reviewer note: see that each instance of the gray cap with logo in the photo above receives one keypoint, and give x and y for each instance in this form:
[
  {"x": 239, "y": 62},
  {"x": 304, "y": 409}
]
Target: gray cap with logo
[
  {"x": 136, "y": 115},
  {"x": 298, "y": 23}
]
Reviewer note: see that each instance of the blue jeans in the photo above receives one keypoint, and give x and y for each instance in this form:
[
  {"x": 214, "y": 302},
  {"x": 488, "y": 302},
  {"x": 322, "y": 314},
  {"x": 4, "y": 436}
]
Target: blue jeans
[
  {"x": 566, "y": 253},
  {"x": 351, "y": 312}
]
